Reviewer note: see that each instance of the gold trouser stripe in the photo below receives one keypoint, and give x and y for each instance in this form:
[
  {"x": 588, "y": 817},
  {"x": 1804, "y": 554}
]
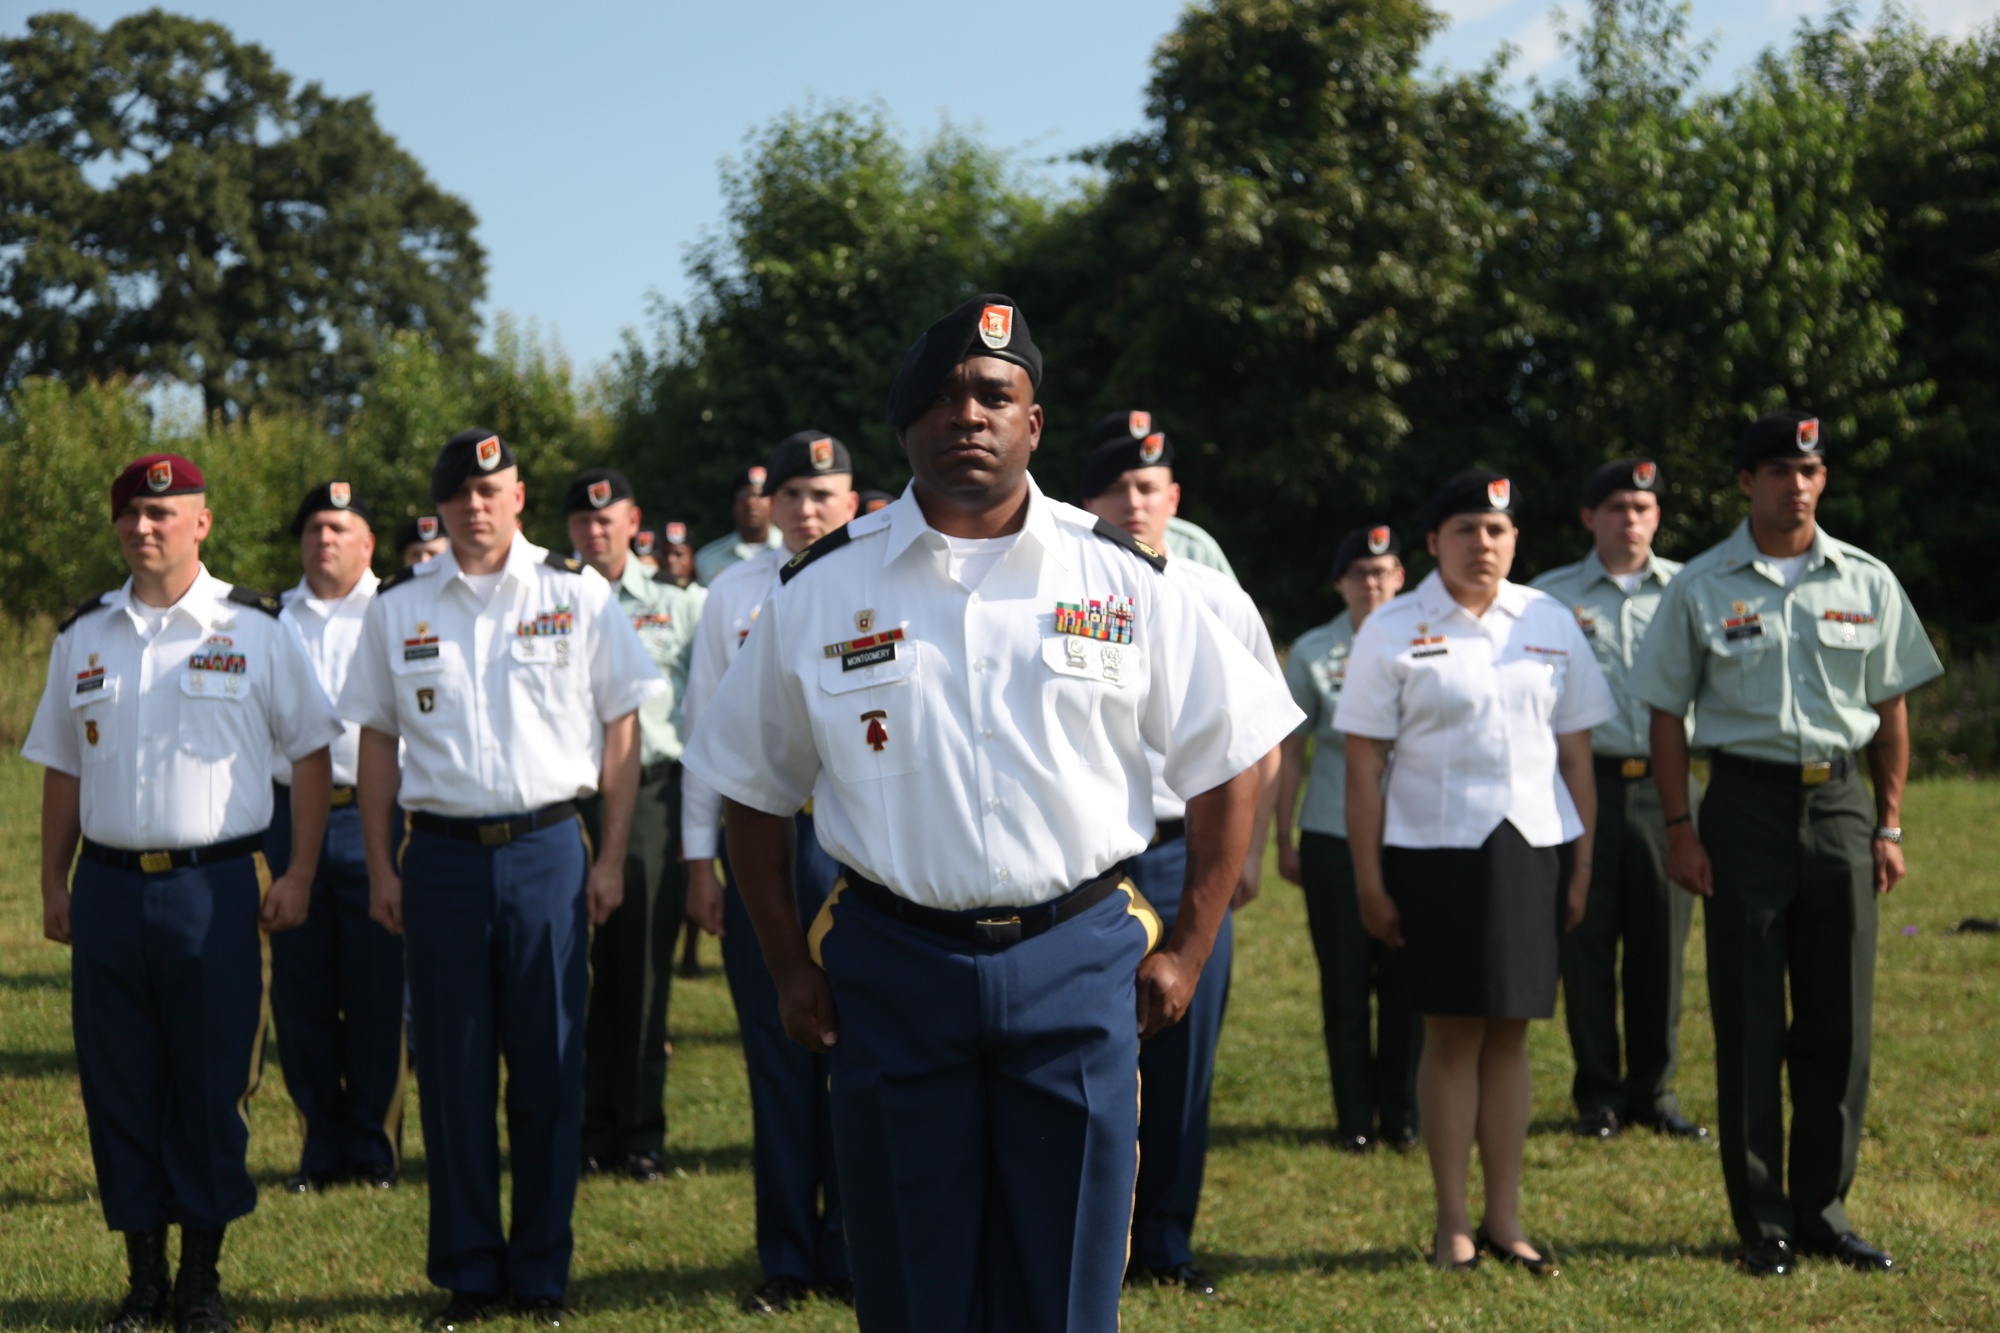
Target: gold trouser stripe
[
  {"x": 589, "y": 848},
  {"x": 823, "y": 922},
  {"x": 1139, "y": 907},
  {"x": 404, "y": 845},
  {"x": 256, "y": 1074},
  {"x": 392, "y": 1119},
  {"x": 1138, "y": 1160}
]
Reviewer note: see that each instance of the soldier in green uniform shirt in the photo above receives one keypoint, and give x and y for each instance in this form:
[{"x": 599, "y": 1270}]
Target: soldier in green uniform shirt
[
  {"x": 1795, "y": 650},
  {"x": 750, "y": 509},
  {"x": 1374, "y": 1074},
  {"x": 632, "y": 953},
  {"x": 1615, "y": 591}
]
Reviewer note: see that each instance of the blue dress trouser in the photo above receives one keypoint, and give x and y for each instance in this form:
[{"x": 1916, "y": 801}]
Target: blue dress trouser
[
  {"x": 337, "y": 999},
  {"x": 1176, "y": 1073},
  {"x": 799, "y": 1229},
  {"x": 167, "y": 977},
  {"x": 498, "y": 939},
  {"x": 985, "y": 1114}
]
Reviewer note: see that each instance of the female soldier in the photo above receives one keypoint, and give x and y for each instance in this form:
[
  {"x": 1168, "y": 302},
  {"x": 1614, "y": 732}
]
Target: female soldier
[
  {"x": 1377, "y": 1078},
  {"x": 1487, "y": 691}
]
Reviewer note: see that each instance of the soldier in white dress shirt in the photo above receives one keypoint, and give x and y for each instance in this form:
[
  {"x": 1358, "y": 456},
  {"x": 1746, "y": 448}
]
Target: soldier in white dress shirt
[
  {"x": 967, "y": 685},
  {"x": 165, "y": 703}
]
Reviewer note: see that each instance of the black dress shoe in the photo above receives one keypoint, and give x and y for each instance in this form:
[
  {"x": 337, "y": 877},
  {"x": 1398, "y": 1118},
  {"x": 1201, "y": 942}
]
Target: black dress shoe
[
  {"x": 374, "y": 1177},
  {"x": 1770, "y": 1257},
  {"x": 589, "y": 1166},
  {"x": 1357, "y": 1144},
  {"x": 1673, "y": 1125},
  {"x": 643, "y": 1168},
  {"x": 838, "y": 1289},
  {"x": 1601, "y": 1123},
  {"x": 1540, "y": 1266},
  {"x": 311, "y": 1182},
  {"x": 776, "y": 1295},
  {"x": 1851, "y": 1250},
  {"x": 201, "y": 1313},
  {"x": 1403, "y": 1142},
  {"x": 1185, "y": 1276},
  {"x": 545, "y": 1311},
  {"x": 464, "y": 1308}
]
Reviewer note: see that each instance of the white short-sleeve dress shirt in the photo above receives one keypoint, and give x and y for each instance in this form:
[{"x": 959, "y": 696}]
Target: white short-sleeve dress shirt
[
  {"x": 172, "y": 735},
  {"x": 985, "y": 746},
  {"x": 734, "y": 601},
  {"x": 500, "y": 701},
  {"x": 1222, "y": 595},
  {"x": 1474, "y": 705},
  {"x": 331, "y": 631}
]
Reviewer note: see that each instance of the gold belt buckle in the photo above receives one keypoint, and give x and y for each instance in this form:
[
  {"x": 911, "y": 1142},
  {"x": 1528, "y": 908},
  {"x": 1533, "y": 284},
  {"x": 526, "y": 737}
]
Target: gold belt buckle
[
  {"x": 1816, "y": 775},
  {"x": 1633, "y": 768},
  {"x": 342, "y": 796},
  {"x": 495, "y": 835},
  {"x": 156, "y": 863},
  {"x": 1000, "y": 930}
]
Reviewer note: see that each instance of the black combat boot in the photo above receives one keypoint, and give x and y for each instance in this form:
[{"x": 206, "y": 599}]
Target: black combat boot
[
  {"x": 198, "y": 1288},
  {"x": 151, "y": 1298}
]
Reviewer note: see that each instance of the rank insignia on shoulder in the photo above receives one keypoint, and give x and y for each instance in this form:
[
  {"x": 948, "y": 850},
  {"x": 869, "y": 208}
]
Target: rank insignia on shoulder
[
  {"x": 869, "y": 650},
  {"x": 1108, "y": 619}
]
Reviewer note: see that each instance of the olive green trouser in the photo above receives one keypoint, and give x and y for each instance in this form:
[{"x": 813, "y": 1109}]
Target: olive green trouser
[{"x": 1794, "y": 900}]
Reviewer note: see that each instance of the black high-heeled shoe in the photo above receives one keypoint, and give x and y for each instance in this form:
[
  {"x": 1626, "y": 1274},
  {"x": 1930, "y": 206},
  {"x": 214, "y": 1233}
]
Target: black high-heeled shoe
[{"x": 1540, "y": 1267}]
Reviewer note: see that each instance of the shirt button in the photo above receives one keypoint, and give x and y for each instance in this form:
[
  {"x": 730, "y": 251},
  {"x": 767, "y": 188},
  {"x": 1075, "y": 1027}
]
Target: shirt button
[
  {"x": 1001, "y": 875},
  {"x": 979, "y": 665},
  {"x": 973, "y": 600},
  {"x": 993, "y": 804},
  {"x": 987, "y": 734}
]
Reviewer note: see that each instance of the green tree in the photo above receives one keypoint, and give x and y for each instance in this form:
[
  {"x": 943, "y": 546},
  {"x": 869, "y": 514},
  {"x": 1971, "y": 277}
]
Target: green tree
[
  {"x": 170, "y": 208},
  {"x": 840, "y": 245}
]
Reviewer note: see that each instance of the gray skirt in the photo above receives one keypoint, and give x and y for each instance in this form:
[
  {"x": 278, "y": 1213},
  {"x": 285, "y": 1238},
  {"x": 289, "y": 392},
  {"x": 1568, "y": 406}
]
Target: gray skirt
[{"x": 1483, "y": 925}]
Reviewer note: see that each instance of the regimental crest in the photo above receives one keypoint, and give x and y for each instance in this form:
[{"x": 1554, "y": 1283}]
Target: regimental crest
[
  {"x": 996, "y": 326},
  {"x": 93, "y": 659},
  {"x": 1378, "y": 540},
  {"x": 757, "y": 476},
  {"x": 427, "y": 528},
  {"x": 90, "y": 730},
  {"x": 1151, "y": 448},
  {"x": 339, "y": 494},
  {"x": 1739, "y": 608},
  {"x": 1500, "y": 493},
  {"x": 643, "y": 544},
  {"x": 427, "y": 699},
  {"x": 487, "y": 453},
  {"x": 1645, "y": 475},
  {"x": 1140, "y": 424},
  {"x": 820, "y": 452},
  {"x": 677, "y": 534},
  {"x": 159, "y": 476},
  {"x": 599, "y": 494},
  {"x": 1809, "y": 435},
  {"x": 864, "y": 621}
]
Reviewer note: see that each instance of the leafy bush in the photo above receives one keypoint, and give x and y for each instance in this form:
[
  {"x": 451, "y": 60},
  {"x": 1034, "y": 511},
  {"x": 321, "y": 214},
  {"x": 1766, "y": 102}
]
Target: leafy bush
[{"x": 1955, "y": 721}]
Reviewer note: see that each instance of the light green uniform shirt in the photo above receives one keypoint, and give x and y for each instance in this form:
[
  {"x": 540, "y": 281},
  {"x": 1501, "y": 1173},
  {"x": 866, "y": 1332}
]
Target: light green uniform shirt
[
  {"x": 1615, "y": 622},
  {"x": 1191, "y": 542},
  {"x": 1315, "y": 672},
  {"x": 665, "y": 617},
  {"x": 730, "y": 549},
  {"x": 1786, "y": 675}
]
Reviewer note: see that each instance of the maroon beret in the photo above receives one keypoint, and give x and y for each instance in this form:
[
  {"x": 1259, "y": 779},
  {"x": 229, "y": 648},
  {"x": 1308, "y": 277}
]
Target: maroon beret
[{"x": 155, "y": 474}]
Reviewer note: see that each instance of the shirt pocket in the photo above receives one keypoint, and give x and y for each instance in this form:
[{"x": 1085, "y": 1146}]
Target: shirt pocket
[
  {"x": 870, "y": 721},
  {"x": 1086, "y": 676},
  {"x": 214, "y": 709},
  {"x": 542, "y": 662},
  {"x": 1746, "y": 671},
  {"x": 94, "y": 713},
  {"x": 1843, "y": 655}
]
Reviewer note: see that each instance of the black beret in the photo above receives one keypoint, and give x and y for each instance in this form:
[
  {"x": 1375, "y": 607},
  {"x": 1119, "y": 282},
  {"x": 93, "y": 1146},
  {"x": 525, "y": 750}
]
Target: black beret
[
  {"x": 334, "y": 495},
  {"x": 595, "y": 488},
  {"x": 1474, "y": 492},
  {"x": 423, "y": 528},
  {"x": 1787, "y": 433},
  {"x": 1119, "y": 443},
  {"x": 876, "y": 499},
  {"x": 479, "y": 450},
  {"x": 751, "y": 477},
  {"x": 989, "y": 325},
  {"x": 1361, "y": 544},
  {"x": 806, "y": 453},
  {"x": 1620, "y": 474}
]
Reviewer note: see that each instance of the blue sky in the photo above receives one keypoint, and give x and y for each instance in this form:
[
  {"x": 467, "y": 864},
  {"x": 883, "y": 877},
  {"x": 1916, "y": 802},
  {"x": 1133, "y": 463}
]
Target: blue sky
[{"x": 587, "y": 135}]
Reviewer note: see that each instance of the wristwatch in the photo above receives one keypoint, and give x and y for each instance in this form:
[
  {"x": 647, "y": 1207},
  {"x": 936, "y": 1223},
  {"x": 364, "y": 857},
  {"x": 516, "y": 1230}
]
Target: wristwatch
[{"x": 1894, "y": 835}]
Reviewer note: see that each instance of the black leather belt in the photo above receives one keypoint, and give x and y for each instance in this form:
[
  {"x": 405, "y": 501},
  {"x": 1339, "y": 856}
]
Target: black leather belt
[
  {"x": 159, "y": 863},
  {"x": 339, "y": 797},
  {"x": 1628, "y": 768},
  {"x": 652, "y": 773},
  {"x": 1166, "y": 830},
  {"x": 1791, "y": 775},
  {"x": 989, "y": 925},
  {"x": 493, "y": 832}
]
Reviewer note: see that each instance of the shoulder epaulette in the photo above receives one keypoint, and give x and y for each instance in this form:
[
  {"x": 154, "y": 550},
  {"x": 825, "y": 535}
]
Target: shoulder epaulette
[
  {"x": 84, "y": 608},
  {"x": 569, "y": 564},
  {"x": 263, "y": 601},
  {"x": 1116, "y": 535},
  {"x": 397, "y": 579},
  {"x": 826, "y": 545}
]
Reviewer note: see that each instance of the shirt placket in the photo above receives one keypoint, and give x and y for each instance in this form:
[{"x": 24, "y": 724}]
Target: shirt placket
[
  {"x": 487, "y": 643},
  {"x": 982, "y": 678}
]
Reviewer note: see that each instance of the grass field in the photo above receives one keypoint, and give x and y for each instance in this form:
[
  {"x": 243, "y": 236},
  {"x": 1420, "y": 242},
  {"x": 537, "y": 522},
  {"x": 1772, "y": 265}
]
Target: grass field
[{"x": 1300, "y": 1237}]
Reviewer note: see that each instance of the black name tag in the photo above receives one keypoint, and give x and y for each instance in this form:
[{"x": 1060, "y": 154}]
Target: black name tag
[
  {"x": 418, "y": 654},
  {"x": 1430, "y": 652},
  {"x": 86, "y": 686},
  {"x": 867, "y": 657},
  {"x": 1734, "y": 633}
]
